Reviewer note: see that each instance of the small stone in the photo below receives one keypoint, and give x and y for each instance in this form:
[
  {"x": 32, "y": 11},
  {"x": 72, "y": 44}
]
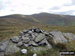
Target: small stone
[
  {"x": 30, "y": 32},
  {"x": 24, "y": 51},
  {"x": 20, "y": 43},
  {"x": 32, "y": 43},
  {"x": 37, "y": 30},
  {"x": 25, "y": 39},
  {"x": 26, "y": 45},
  {"x": 40, "y": 37},
  {"x": 21, "y": 33},
  {"x": 15, "y": 39},
  {"x": 35, "y": 54},
  {"x": 25, "y": 31}
]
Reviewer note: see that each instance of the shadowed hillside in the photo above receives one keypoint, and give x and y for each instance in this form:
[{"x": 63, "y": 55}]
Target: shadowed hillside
[
  {"x": 43, "y": 18},
  {"x": 53, "y": 19}
]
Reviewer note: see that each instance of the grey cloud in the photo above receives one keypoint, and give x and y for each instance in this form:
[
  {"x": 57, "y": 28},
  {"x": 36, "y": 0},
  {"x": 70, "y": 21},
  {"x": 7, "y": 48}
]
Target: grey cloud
[
  {"x": 1, "y": 5},
  {"x": 68, "y": 12},
  {"x": 55, "y": 8},
  {"x": 73, "y": 2}
]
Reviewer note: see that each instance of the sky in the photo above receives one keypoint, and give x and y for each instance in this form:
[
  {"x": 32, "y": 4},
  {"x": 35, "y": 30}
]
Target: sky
[{"x": 28, "y": 7}]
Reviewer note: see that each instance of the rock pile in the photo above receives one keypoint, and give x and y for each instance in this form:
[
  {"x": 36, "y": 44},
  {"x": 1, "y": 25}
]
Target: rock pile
[
  {"x": 31, "y": 37},
  {"x": 35, "y": 38}
]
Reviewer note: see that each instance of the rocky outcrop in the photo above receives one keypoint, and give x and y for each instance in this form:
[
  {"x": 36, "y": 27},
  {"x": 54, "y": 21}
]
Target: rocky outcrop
[
  {"x": 8, "y": 47},
  {"x": 58, "y": 37},
  {"x": 35, "y": 38}
]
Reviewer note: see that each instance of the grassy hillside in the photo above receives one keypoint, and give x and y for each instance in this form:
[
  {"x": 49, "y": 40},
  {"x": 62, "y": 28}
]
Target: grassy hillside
[
  {"x": 11, "y": 25},
  {"x": 56, "y": 20}
]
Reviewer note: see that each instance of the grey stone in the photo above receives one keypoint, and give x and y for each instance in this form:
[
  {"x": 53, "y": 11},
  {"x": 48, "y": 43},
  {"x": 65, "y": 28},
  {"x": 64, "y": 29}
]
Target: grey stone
[
  {"x": 3, "y": 45},
  {"x": 32, "y": 43},
  {"x": 11, "y": 48},
  {"x": 1, "y": 53},
  {"x": 30, "y": 32},
  {"x": 45, "y": 43},
  {"x": 21, "y": 33},
  {"x": 69, "y": 36},
  {"x": 58, "y": 37},
  {"x": 20, "y": 43},
  {"x": 26, "y": 45},
  {"x": 35, "y": 34},
  {"x": 25, "y": 31},
  {"x": 34, "y": 54},
  {"x": 25, "y": 39},
  {"x": 24, "y": 51},
  {"x": 37, "y": 30},
  {"x": 26, "y": 35},
  {"x": 40, "y": 37},
  {"x": 15, "y": 39}
]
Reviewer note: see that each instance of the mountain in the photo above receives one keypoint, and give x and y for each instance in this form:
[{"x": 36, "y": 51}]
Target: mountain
[
  {"x": 17, "y": 19},
  {"x": 54, "y": 19},
  {"x": 41, "y": 18}
]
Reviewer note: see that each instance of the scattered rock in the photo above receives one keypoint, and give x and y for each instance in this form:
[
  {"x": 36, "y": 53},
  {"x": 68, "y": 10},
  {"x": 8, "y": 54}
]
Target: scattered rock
[
  {"x": 24, "y": 51},
  {"x": 34, "y": 54},
  {"x": 36, "y": 39}
]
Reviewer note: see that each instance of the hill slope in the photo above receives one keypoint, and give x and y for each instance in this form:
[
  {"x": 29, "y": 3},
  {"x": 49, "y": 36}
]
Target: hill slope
[
  {"x": 44, "y": 18},
  {"x": 53, "y": 19},
  {"x": 17, "y": 19}
]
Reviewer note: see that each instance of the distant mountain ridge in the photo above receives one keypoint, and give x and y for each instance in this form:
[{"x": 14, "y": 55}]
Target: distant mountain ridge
[
  {"x": 54, "y": 19},
  {"x": 44, "y": 18}
]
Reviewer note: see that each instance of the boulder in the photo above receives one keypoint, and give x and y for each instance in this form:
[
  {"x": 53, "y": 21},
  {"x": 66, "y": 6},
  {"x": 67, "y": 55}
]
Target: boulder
[
  {"x": 24, "y": 51},
  {"x": 58, "y": 37},
  {"x": 69, "y": 36},
  {"x": 39, "y": 38},
  {"x": 3, "y": 45},
  {"x": 15, "y": 39},
  {"x": 11, "y": 48},
  {"x": 1, "y": 53}
]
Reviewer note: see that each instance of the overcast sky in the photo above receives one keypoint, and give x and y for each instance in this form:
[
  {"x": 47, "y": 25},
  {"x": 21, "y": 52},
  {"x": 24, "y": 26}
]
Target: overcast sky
[{"x": 28, "y": 7}]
